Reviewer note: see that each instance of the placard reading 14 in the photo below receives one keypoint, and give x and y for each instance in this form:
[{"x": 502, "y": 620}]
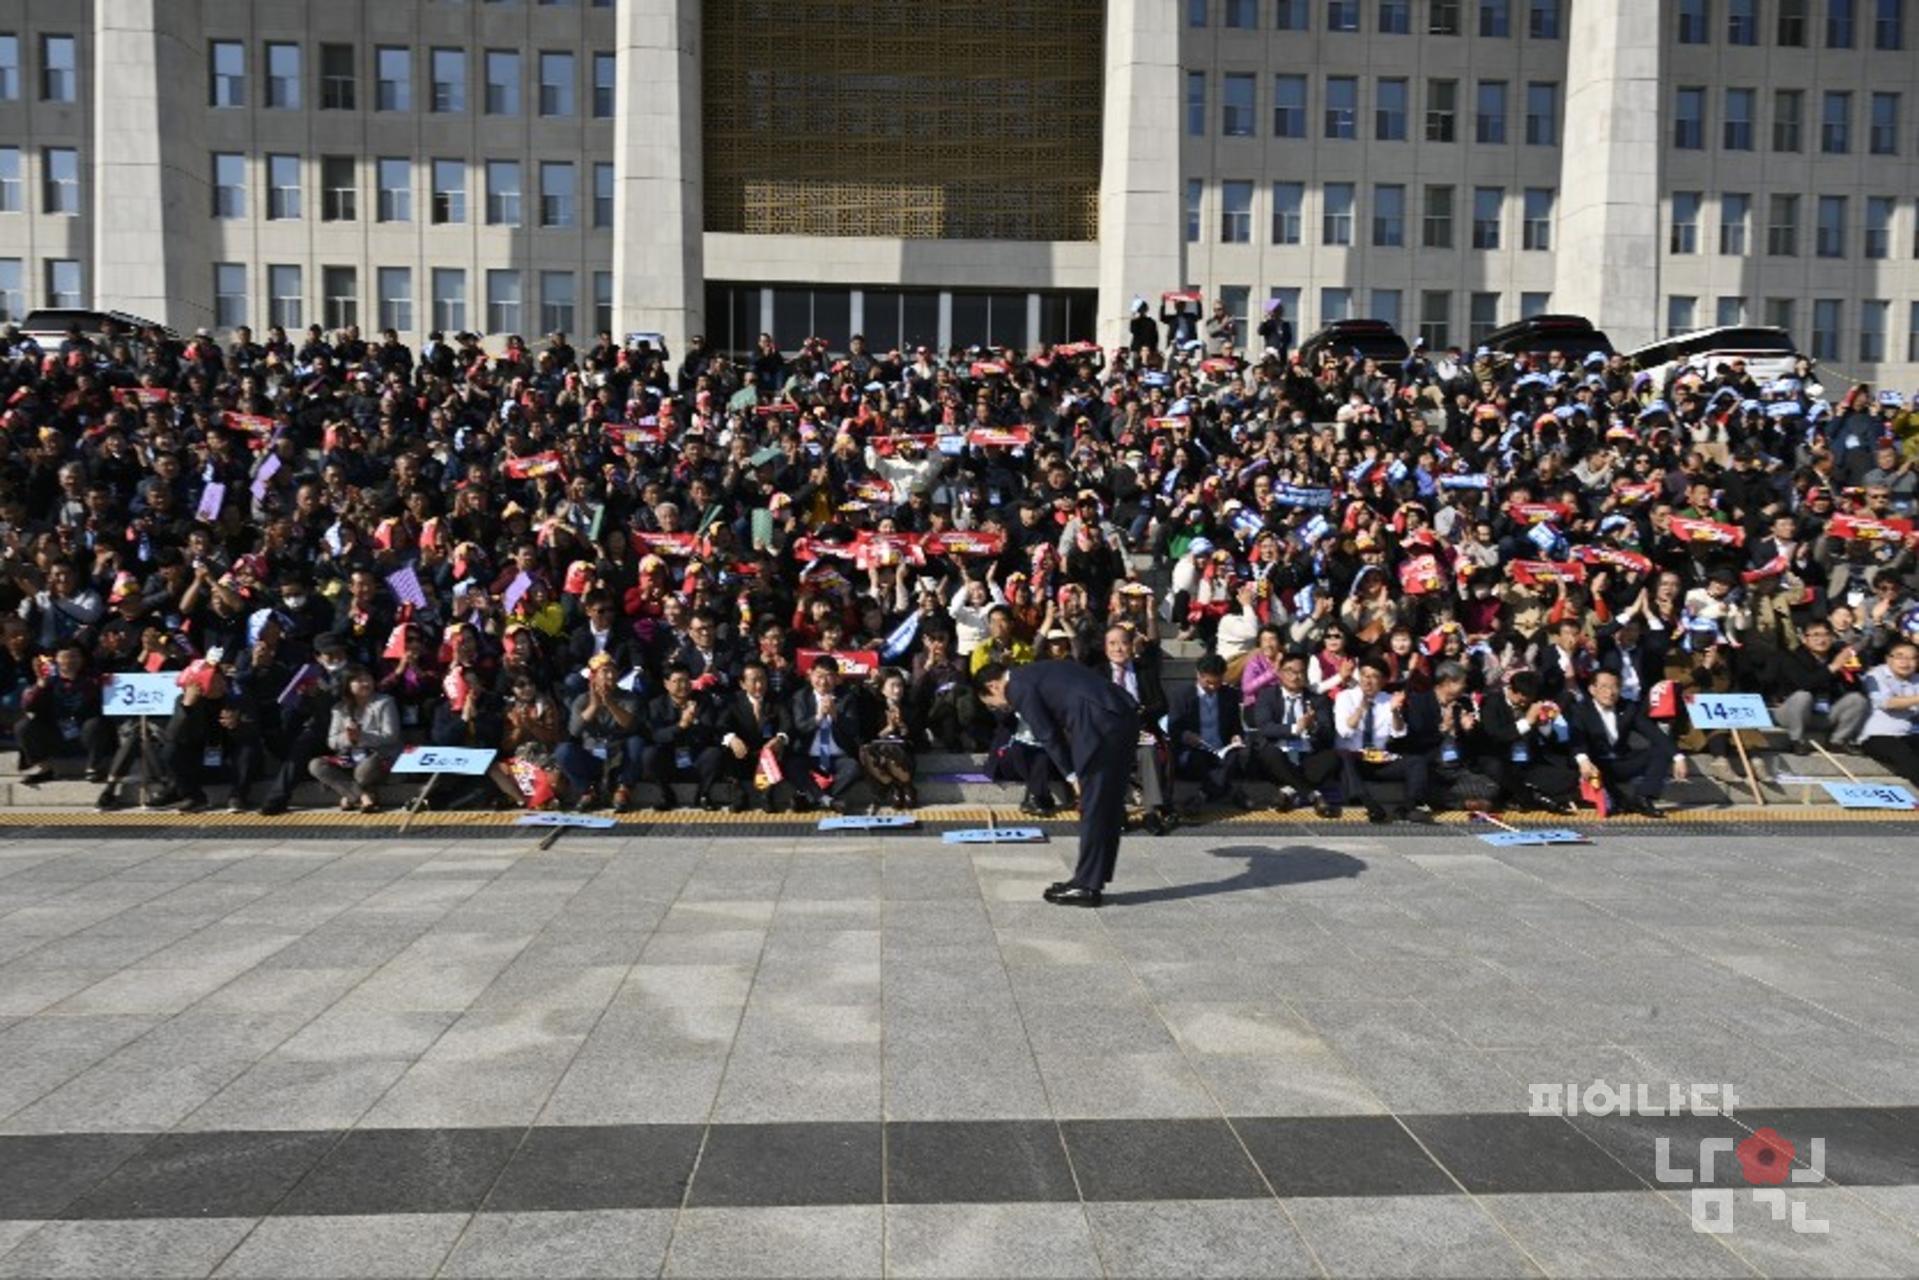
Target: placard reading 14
[
  {"x": 139, "y": 693},
  {"x": 1870, "y": 795},
  {"x": 470, "y": 761},
  {"x": 1728, "y": 711}
]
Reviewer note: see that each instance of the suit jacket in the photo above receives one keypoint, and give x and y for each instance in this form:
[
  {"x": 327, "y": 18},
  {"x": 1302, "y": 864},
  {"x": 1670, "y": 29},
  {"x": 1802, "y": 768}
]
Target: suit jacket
[
  {"x": 698, "y": 665},
  {"x": 736, "y": 717},
  {"x": 1072, "y": 710},
  {"x": 663, "y": 724},
  {"x": 1499, "y": 729},
  {"x": 1184, "y": 715},
  {"x": 1152, "y": 693},
  {"x": 620, "y": 646},
  {"x": 847, "y": 720},
  {"x": 1636, "y": 729},
  {"x": 1269, "y": 717}
]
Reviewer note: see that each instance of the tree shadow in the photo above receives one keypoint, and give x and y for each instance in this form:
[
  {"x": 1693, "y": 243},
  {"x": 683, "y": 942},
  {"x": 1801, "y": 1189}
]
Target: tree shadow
[{"x": 1266, "y": 868}]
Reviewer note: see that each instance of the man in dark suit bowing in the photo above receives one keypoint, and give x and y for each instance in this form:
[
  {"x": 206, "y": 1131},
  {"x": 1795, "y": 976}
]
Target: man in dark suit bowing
[
  {"x": 1089, "y": 727},
  {"x": 1613, "y": 740}
]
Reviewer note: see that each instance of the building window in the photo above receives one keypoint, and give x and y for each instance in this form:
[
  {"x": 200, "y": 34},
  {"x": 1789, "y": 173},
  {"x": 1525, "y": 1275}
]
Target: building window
[
  {"x": 1196, "y": 104},
  {"x": 1243, "y": 14},
  {"x": 1342, "y": 107},
  {"x": 602, "y": 194},
  {"x": 502, "y": 195},
  {"x": 1395, "y": 17},
  {"x": 1291, "y": 15},
  {"x": 12, "y": 181},
  {"x": 1694, "y": 17},
  {"x": 1835, "y": 124},
  {"x": 1236, "y": 106},
  {"x": 1342, "y": 15},
  {"x": 339, "y": 189},
  {"x": 394, "y": 175},
  {"x": 1885, "y": 124},
  {"x": 1889, "y": 25},
  {"x": 557, "y": 84},
  {"x": 449, "y": 191},
  {"x": 1489, "y": 112},
  {"x": 337, "y": 77},
  {"x": 285, "y": 297},
  {"x": 1825, "y": 328},
  {"x": 1437, "y": 228},
  {"x": 229, "y": 184},
  {"x": 1782, "y": 227},
  {"x": 1537, "y": 231},
  {"x": 1742, "y": 22},
  {"x": 1542, "y": 22},
  {"x": 1442, "y": 109},
  {"x": 1288, "y": 197},
  {"x": 59, "y": 73},
  {"x": 502, "y": 301},
  {"x": 1495, "y": 19},
  {"x": 555, "y": 302},
  {"x": 1788, "y": 111},
  {"x": 1389, "y": 215},
  {"x": 1685, "y": 222},
  {"x": 1829, "y": 238},
  {"x": 1729, "y": 311},
  {"x": 227, "y": 63},
  {"x": 605, "y": 72},
  {"x": 603, "y": 301},
  {"x": 449, "y": 81},
  {"x": 1878, "y": 241},
  {"x": 1383, "y": 305},
  {"x": 283, "y": 188},
  {"x": 1738, "y": 123},
  {"x": 1389, "y": 111},
  {"x": 1682, "y": 312},
  {"x": 283, "y": 76},
  {"x": 1689, "y": 119},
  {"x": 394, "y": 295},
  {"x": 502, "y": 82},
  {"x": 1435, "y": 318},
  {"x": 1735, "y": 208},
  {"x": 1289, "y": 106},
  {"x": 1235, "y": 212},
  {"x": 1486, "y": 207},
  {"x": 1442, "y": 18},
  {"x": 1912, "y": 331},
  {"x": 10, "y": 92},
  {"x": 1195, "y": 13},
  {"x": 66, "y": 287},
  {"x": 1779, "y": 312},
  {"x": 392, "y": 78},
  {"x": 1195, "y": 190},
  {"x": 1482, "y": 317},
  {"x": 1337, "y": 221},
  {"x": 557, "y": 187},
  {"x": 1873, "y": 313},
  {"x": 339, "y": 297},
  {"x": 1792, "y": 24},
  {"x": 61, "y": 173},
  {"x": 1335, "y": 305},
  {"x": 1839, "y": 21},
  {"x": 1542, "y": 114},
  {"x": 1534, "y": 304},
  {"x": 449, "y": 299},
  {"x": 229, "y": 294}
]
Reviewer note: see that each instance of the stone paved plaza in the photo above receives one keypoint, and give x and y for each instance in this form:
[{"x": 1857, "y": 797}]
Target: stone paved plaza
[{"x": 1303, "y": 1052}]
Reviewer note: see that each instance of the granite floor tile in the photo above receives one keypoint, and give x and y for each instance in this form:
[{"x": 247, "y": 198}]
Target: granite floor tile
[
  {"x": 424, "y": 1171},
  {"x": 148, "y": 1250},
  {"x": 1160, "y": 1160},
  {"x": 965, "y": 1241},
  {"x": 584, "y": 1168},
  {"x": 391, "y": 1246},
  {"x": 593, "y": 1245},
  {"x": 1613, "y": 1234},
  {"x": 1407, "y": 1235},
  {"x": 205, "y": 1175},
  {"x": 945, "y": 1163},
  {"x": 817, "y": 1241},
  {"x": 1198, "y": 1238},
  {"x": 789, "y": 1165}
]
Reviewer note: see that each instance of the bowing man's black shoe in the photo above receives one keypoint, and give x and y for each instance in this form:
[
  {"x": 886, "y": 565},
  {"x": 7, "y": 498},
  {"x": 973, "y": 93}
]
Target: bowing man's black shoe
[{"x": 1072, "y": 895}]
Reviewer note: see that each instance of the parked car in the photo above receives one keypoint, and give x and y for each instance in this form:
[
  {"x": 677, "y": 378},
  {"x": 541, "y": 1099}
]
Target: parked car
[
  {"x": 1769, "y": 353},
  {"x": 1373, "y": 338},
  {"x": 1575, "y": 336}
]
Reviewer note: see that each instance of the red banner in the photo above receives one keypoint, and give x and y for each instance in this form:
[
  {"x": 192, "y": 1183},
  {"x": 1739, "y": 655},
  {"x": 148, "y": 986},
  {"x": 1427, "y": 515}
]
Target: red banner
[
  {"x": 771, "y": 410},
  {"x": 875, "y": 491},
  {"x": 965, "y": 542},
  {"x": 1613, "y": 557},
  {"x": 683, "y": 545},
  {"x": 1218, "y": 364},
  {"x": 1540, "y": 512},
  {"x": 1166, "y": 424},
  {"x": 988, "y": 368},
  {"x": 851, "y": 661},
  {"x": 886, "y": 446},
  {"x": 1180, "y": 295},
  {"x": 1637, "y": 495},
  {"x": 1529, "y": 573},
  {"x": 996, "y": 438},
  {"x": 1726, "y": 535},
  {"x": 258, "y": 423},
  {"x": 1773, "y": 568},
  {"x": 141, "y": 396},
  {"x": 538, "y": 464},
  {"x": 873, "y": 547},
  {"x": 805, "y": 549},
  {"x": 1419, "y": 575},
  {"x": 1866, "y": 528},
  {"x": 1076, "y": 349}
]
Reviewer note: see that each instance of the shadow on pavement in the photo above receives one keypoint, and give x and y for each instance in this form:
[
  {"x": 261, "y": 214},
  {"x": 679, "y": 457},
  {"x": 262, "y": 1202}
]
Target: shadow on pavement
[{"x": 1266, "y": 867}]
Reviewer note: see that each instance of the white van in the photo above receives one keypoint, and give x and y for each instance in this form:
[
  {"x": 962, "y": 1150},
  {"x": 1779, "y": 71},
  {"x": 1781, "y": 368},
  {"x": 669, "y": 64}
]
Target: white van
[{"x": 1769, "y": 353}]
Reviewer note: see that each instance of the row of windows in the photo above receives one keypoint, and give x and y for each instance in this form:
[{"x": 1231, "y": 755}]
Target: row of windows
[
  {"x": 506, "y": 302},
  {"x": 62, "y": 284},
  {"x": 1792, "y": 20},
  {"x": 1740, "y": 115},
  {"x": 59, "y": 180},
  {"x": 282, "y": 87},
  {"x": 1828, "y": 316},
  {"x": 1493, "y": 19},
  {"x": 502, "y": 189},
  {"x": 1833, "y": 229},
  {"x": 1341, "y": 116},
  {"x": 1339, "y": 223},
  {"x": 1485, "y": 311},
  {"x": 59, "y": 68}
]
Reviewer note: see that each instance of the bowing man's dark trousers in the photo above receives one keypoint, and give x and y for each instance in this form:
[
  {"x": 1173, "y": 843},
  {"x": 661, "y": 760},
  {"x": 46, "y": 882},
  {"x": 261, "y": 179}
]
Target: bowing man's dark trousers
[{"x": 1103, "y": 784}]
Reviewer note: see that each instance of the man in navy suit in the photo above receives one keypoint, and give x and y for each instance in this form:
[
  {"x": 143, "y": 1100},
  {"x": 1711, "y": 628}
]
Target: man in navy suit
[
  {"x": 1615, "y": 742},
  {"x": 1089, "y": 727},
  {"x": 1207, "y": 744}
]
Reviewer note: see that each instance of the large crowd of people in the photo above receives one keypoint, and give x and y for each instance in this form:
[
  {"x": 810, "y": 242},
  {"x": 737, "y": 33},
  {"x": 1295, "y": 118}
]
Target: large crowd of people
[{"x": 650, "y": 577}]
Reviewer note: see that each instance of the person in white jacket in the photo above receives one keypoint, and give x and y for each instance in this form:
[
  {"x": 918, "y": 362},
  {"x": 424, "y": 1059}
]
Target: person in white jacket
[
  {"x": 969, "y": 607},
  {"x": 910, "y": 467}
]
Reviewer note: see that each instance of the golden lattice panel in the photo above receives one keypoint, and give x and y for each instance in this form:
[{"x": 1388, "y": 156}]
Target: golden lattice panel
[{"x": 962, "y": 119}]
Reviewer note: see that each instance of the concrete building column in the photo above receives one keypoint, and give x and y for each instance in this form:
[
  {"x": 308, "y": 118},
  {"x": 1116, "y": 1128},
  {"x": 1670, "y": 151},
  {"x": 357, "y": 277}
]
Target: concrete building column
[
  {"x": 658, "y": 202},
  {"x": 1140, "y": 234},
  {"x": 1607, "y": 263},
  {"x": 151, "y": 199}
]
